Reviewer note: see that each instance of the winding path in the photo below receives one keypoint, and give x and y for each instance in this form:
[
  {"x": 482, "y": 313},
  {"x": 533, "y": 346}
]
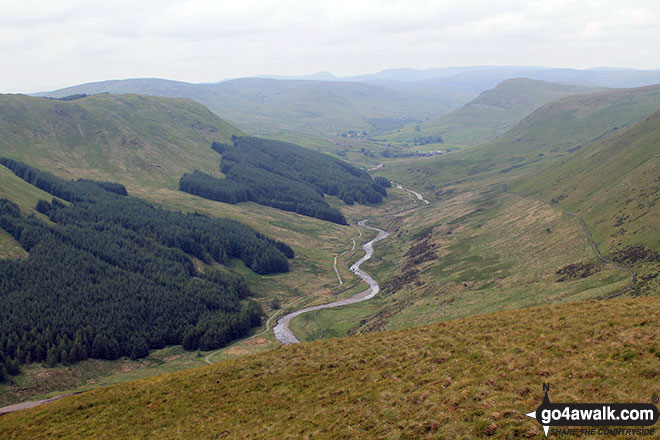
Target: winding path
[
  {"x": 334, "y": 265},
  {"x": 282, "y": 331}
]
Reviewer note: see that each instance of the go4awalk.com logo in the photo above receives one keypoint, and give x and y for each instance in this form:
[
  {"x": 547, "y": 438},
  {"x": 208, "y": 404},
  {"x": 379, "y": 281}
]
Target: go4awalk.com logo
[{"x": 627, "y": 419}]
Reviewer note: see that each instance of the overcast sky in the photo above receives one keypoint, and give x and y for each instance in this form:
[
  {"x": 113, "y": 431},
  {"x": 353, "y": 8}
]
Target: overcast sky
[{"x": 46, "y": 45}]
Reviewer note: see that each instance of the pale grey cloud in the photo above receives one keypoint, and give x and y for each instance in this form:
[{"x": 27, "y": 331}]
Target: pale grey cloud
[{"x": 50, "y": 44}]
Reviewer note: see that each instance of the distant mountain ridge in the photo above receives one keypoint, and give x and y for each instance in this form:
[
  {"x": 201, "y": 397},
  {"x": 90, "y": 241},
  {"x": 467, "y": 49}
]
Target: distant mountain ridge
[
  {"x": 264, "y": 106},
  {"x": 550, "y": 134},
  {"x": 491, "y": 75},
  {"x": 322, "y": 104}
]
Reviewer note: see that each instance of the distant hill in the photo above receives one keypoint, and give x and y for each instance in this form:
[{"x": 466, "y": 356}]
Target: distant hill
[
  {"x": 324, "y": 105},
  {"x": 469, "y": 378},
  {"x": 263, "y": 106},
  {"x": 553, "y": 132},
  {"x": 492, "y": 113},
  {"x": 570, "y": 123},
  {"x": 141, "y": 141}
]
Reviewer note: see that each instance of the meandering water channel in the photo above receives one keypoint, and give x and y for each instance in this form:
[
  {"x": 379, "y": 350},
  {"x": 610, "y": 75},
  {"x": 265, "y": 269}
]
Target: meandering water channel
[{"x": 282, "y": 331}]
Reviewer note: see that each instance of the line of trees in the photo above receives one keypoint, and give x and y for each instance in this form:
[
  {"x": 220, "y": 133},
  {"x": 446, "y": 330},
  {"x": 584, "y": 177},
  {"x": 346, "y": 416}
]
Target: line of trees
[
  {"x": 284, "y": 176},
  {"x": 113, "y": 276}
]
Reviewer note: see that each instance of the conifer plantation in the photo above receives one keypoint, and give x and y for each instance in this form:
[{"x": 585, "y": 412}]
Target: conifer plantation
[
  {"x": 285, "y": 176},
  {"x": 113, "y": 276}
]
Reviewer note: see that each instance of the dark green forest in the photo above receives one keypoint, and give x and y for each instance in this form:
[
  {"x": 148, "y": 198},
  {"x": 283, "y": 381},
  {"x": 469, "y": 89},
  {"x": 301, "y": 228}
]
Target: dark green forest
[
  {"x": 113, "y": 276},
  {"x": 284, "y": 176}
]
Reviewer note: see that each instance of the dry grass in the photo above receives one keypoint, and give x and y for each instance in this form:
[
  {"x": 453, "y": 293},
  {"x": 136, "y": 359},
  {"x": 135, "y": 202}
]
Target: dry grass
[{"x": 446, "y": 380}]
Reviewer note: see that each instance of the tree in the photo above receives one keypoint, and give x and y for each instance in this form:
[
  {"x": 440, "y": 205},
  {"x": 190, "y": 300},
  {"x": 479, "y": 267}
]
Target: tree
[
  {"x": 51, "y": 357},
  {"x": 78, "y": 350}
]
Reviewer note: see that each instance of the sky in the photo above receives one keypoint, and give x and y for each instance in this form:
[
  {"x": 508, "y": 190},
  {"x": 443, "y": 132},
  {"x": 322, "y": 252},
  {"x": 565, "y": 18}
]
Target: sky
[{"x": 45, "y": 45}]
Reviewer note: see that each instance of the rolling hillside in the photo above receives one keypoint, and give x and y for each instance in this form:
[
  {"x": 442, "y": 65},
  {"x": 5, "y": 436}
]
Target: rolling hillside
[
  {"x": 614, "y": 184},
  {"x": 265, "y": 106},
  {"x": 140, "y": 141},
  {"x": 554, "y": 131},
  {"x": 492, "y": 113},
  {"x": 464, "y": 379},
  {"x": 574, "y": 121}
]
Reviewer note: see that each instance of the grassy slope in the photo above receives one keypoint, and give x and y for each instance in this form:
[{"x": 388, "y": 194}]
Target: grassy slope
[
  {"x": 26, "y": 197},
  {"x": 555, "y": 131},
  {"x": 613, "y": 183},
  {"x": 458, "y": 380},
  {"x": 265, "y": 106},
  {"x": 492, "y": 113},
  {"x": 614, "y": 177},
  {"x": 140, "y": 141},
  {"x": 576, "y": 120},
  {"x": 619, "y": 172}
]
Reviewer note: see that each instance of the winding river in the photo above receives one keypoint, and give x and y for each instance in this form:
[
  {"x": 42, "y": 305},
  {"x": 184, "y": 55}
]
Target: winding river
[{"x": 282, "y": 331}]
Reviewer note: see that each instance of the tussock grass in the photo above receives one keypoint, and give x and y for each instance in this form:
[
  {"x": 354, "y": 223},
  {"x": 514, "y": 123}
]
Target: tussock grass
[{"x": 446, "y": 380}]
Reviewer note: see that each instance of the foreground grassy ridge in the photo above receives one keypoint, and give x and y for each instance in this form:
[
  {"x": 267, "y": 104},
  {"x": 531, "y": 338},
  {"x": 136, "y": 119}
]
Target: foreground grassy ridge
[
  {"x": 140, "y": 141},
  {"x": 457, "y": 379}
]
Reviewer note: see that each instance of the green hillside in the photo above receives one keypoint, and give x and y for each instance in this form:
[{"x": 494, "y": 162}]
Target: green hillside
[
  {"x": 26, "y": 197},
  {"x": 570, "y": 123},
  {"x": 141, "y": 141},
  {"x": 465, "y": 379},
  {"x": 492, "y": 113},
  {"x": 614, "y": 184},
  {"x": 554, "y": 131},
  {"x": 268, "y": 106}
]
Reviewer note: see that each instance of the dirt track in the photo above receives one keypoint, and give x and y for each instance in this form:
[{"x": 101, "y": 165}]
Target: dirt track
[{"x": 30, "y": 404}]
